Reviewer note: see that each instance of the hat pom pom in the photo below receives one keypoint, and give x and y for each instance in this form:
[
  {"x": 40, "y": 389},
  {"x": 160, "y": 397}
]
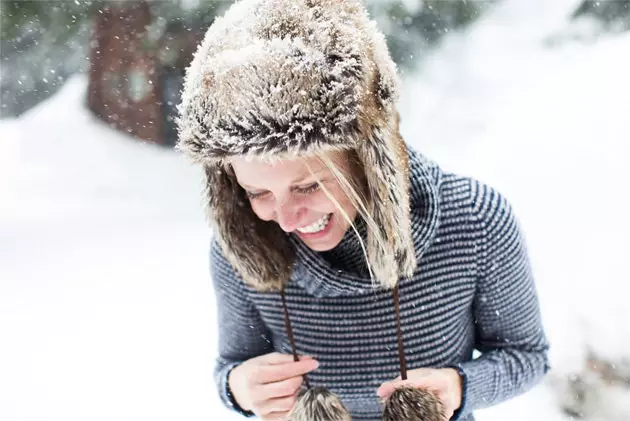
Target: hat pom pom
[
  {"x": 411, "y": 404},
  {"x": 318, "y": 404}
]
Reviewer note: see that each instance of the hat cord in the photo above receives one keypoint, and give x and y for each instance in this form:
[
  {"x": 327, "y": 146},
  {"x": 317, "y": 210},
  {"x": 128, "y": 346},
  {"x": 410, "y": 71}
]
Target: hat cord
[
  {"x": 289, "y": 329},
  {"x": 399, "y": 335},
  {"x": 401, "y": 348}
]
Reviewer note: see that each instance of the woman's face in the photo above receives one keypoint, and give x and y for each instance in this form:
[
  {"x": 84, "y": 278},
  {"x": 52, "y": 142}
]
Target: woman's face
[{"x": 287, "y": 193}]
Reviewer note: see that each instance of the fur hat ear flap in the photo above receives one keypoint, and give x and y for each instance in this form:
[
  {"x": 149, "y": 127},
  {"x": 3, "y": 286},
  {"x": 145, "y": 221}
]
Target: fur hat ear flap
[
  {"x": 318, "y": 404},
  {"x": 411, "y": 404},
  {"x": 259, "y": 250},
  {"x": 385, "y": 154}
]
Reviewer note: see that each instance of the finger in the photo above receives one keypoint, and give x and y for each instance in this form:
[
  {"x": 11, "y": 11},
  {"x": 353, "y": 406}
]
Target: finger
[
  {"x": 279, "y": 372},
  {"x": 388, "y": 388},
  {"x": 448, "y": 414},
  {"x": 420, "y": 380},
  {"x": 275, "y": 358},
  {"x": 281, "y": 389},
  {"x": 385, "y": 390},
  {"x": 277, "y": 405}
]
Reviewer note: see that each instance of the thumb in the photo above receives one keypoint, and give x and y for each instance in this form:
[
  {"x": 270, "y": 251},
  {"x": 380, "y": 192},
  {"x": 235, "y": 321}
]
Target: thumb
[
  {"x": 276, "y": 358},
  {"x": 385, "y": 390},
  {"x": 388, "y": 388}
]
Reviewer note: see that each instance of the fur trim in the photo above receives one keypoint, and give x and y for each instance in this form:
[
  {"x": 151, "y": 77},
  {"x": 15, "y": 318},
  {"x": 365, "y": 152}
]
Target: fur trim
[
  {"x": 281, "y": 78},
  {"x": 411, "y": 404},
  {"x": 318, "y": 404}
]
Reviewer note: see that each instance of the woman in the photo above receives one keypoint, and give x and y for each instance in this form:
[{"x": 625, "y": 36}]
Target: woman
[{"x": 336, "y": 241}]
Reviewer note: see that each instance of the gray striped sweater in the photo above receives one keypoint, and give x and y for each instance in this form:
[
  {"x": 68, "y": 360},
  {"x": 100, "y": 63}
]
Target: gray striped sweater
[{"x": 473, "y": 289}]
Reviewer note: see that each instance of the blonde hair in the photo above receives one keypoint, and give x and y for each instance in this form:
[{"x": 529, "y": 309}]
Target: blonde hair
[{"x": 355, "y": 188}]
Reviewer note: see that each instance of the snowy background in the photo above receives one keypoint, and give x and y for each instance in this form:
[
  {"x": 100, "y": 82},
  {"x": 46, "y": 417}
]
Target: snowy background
[{"x": 106, "y": 307}]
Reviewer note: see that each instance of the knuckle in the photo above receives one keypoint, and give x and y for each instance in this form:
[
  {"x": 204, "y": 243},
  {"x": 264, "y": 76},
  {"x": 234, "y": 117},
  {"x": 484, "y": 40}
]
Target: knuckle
[
  {"x": 286, "y": 388},
  {"x": 284, "y": 405},
  {"x": 257, "y": 374},
  {"x": 257, "y": 401},
  {"x": 296, "y": 383},
  {"x": 290, "y": 386},
  {"x": 291, "y": 401}
]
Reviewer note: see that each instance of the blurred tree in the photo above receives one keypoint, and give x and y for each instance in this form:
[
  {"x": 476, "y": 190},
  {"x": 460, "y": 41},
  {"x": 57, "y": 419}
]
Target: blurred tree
[
  {"x": 614, "y": 14},
  {"x": 413, "y": 26},
  {"x": 41, "y": 44},
  {"x": 44, "y": 42}
]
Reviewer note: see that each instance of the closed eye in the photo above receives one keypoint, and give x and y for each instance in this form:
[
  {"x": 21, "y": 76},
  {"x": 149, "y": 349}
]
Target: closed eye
[
  {"x": 308, "y": 189},
  {"x": 301, "y": 190},
  {"x": 256, "y": 195}
]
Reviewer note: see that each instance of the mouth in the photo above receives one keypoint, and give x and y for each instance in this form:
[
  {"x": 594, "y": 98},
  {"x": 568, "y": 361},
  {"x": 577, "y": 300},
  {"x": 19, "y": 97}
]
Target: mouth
[{"x": 317, "y": 226}]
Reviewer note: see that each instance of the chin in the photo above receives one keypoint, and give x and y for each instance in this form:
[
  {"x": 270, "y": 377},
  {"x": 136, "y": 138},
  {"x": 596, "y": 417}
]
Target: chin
[{"x": 322, "y": 246}]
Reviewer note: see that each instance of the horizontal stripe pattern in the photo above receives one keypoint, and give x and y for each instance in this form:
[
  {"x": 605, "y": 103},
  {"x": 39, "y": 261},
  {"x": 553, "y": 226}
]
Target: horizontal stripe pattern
[{"x": 473, "y": 288}]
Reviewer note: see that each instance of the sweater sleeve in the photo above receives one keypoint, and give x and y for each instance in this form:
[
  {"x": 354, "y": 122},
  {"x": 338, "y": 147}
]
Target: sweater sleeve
[
  {"x": 508, "y": 328},
  {"x": 241, "y": 332}
]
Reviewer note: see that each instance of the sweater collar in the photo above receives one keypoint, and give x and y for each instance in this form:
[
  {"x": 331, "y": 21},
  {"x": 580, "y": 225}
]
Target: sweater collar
[
  {"x": 348, "y": 254},
  {"x": 343, "y": 270}
]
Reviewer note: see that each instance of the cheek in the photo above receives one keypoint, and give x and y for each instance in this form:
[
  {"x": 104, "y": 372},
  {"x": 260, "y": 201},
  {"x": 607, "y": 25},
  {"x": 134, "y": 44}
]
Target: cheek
[
  {"x": 323, "y": 203},
  {"x": 262, "y": 209},
  {"x": 317, "y": 202}
]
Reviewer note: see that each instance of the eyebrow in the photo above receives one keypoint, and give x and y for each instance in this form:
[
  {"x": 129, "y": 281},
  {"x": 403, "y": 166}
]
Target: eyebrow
[{"x": 298, "y": 181}]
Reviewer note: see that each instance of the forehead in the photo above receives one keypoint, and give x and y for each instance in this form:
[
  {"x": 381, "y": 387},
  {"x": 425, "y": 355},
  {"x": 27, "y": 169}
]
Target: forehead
[{"x": 258, "y": 172}]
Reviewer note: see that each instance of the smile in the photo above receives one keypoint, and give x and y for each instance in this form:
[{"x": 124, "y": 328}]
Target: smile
[{"x": 316, "y": 226}]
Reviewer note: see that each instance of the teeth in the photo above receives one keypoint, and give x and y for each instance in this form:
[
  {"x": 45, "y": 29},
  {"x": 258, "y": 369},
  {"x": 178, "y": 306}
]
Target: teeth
[{"x": 315, "y": 226}]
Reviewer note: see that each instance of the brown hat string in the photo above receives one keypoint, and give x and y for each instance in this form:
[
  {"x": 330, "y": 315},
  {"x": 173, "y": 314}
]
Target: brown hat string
[
  {"x": 313, "y": 403},
  {"x": 289, "y": 329},
  {"x": 409, "y": 403},
  {"x": 401, "y": 347},
  {"x": 404, "y": 404}
]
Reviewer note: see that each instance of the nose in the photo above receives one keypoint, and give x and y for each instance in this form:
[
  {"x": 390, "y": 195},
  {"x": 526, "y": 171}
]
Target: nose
[{"x": 288, "y": 216}]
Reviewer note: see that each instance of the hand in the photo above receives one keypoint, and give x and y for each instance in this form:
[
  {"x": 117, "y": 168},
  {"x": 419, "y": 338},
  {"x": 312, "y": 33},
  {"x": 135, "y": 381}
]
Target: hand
[
  {"x": 268, "y": 385},
  {"x": 446, "y": 383}
]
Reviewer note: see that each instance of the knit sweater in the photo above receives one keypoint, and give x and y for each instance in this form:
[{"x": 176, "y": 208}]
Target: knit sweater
[{"x": 473, "y": 289}]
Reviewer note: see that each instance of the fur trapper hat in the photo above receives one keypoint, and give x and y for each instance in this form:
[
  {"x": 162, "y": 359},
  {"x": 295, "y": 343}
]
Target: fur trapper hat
[{"x": 283, "y": 78}]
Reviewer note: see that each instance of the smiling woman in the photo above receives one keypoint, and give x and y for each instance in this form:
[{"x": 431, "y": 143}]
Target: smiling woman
[{"x": 290, "y": 107}]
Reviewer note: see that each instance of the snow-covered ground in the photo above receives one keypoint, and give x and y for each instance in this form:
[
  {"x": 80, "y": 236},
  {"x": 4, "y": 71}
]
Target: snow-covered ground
[
  {"x": 106, "y": 309},
  {"x": 106, "y": 312}
]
